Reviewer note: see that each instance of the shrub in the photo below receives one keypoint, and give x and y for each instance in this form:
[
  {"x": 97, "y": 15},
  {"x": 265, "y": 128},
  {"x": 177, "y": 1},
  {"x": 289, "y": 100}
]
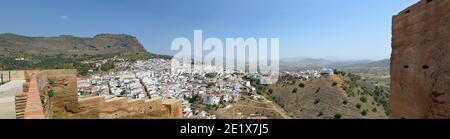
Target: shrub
[
  {"x": 123, "y": 92},
  {"x": 210, "y": 85},
  {"x": 42, "y": 100},
  {"x": 193, "y": 99},
  {"x": 316, "y": 101},
  {"x": 344, "y": 102},
  {"x": 358, "y": 106},
  {"x": 374, "y": 110},
  {"x": 294, "y": 90},
  {"x": 318, "y": 89},
  {"x": 337, "y": 116},
  {"x": 301, "y": 85},
  {"x": 51, "y": 82},
  {"x": 260, "y": 89},
  {"x": 270, "y": 91},
  {"x": 320, "y": 114},
  {"x": 51, "y": 93},
  {"x": 107, "y": 66},
  {"x": 364, "y": 112},
  {"x": 334, "y": 84},
  {"x": 363, "y": 99}
]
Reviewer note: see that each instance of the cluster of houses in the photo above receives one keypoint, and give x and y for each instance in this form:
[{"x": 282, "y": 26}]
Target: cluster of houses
[
  {"x": 153, "y": 78},
  {"x": 123, "y": 84},
  {"x": 308, "y": 74}
]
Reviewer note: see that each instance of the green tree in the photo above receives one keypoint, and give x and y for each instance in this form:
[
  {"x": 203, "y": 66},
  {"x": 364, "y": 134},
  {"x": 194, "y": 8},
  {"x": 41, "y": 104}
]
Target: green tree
[
  {"x": 358, "y": 106},
  {"x": 344, "y": 102},
  {"x": 334, "y": 84},
  {"x": 301, "y": 85},
  {"x": 316, "y": 101},
  {"x": 51, "y": 82},
  {"x": 123, "y": 93},
  {"x": 107, "y": 66},
  {"x": 270, "y": 91},
  {"x": 82, "y": 68},
  {"x": 320, "y": 114},
  {"x": 364, "y": 112},
  {"x": 374, "y": 110},
  {"x": 51, "y": 93},
  {"x": 363, "y": 99},
  {"x": 337, "y": 116},
  {"x": 318, "y": 90}
]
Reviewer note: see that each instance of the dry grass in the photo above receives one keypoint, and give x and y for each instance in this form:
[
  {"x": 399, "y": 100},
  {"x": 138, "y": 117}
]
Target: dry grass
[{"x": 311, "y": 102}]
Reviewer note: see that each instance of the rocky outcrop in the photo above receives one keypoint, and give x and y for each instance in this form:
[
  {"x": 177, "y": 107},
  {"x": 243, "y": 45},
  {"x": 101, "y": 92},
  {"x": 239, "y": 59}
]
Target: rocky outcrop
[
  {"x": 12, "y": 44},
  {"x": 420, "y": 67}
]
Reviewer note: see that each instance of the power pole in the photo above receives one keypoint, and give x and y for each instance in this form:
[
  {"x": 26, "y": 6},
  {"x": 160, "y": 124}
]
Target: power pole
[
  {"x": 1, "y": 76},
  {"x": 9, "y": 77}
]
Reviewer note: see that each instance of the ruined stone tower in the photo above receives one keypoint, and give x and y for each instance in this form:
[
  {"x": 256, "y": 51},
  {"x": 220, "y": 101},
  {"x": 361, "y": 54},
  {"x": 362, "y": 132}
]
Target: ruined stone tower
[{"x": 420, "y": 61}]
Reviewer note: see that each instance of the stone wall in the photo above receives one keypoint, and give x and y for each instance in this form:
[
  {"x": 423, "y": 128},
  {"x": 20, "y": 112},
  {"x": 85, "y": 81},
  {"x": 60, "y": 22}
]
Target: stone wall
[
  {"x": 98, "y": 107},
  {"x": 42, "y": 87},
  {"x": 33, "y": 106},
  {"x": 420, "y": 61},
  {"x": 13, "y": 75},
  {"x": 66, "y": 88},
  {"x": 174, "y": 107},
  {"x": 35, "y": 102}
]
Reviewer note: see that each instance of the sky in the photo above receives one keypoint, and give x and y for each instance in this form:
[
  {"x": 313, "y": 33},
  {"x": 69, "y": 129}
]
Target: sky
[{"x": 341, "y": 29}]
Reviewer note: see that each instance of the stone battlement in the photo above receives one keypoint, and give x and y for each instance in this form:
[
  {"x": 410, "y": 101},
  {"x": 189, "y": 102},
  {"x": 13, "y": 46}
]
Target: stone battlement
[{"x": 126, "y": 108}]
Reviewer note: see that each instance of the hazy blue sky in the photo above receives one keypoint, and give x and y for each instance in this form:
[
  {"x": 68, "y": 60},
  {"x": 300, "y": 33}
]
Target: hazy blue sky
[{"x": 345, "y": 29}]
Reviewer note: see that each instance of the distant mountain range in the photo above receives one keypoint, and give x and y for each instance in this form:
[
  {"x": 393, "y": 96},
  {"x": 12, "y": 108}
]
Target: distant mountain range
[
  {"x": 302, "y": 62},
  {"x": 67, "y": 45}
]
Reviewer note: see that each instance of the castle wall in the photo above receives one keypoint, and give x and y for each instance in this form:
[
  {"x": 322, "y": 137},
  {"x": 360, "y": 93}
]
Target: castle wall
[
  {"x": 66, "y": 88},
  {"x": 115, "y": 108},
  {"x": 420, "y": 61},
  {"x": 36, "y": 87},
  {"x": 13, "y": 75}
]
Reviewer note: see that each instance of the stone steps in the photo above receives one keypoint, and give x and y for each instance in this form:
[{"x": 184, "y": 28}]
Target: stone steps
[{"x": 21, "y": 103}]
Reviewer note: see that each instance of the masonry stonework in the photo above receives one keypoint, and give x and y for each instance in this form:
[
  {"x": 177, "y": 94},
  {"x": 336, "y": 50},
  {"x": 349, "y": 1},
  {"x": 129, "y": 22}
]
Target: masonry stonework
[
  {"x": 420, "y": 61},
  {"x": 98, "y": 107},
  {"x": 35, "y": 103},
  {"x": 66, "y": 88}
]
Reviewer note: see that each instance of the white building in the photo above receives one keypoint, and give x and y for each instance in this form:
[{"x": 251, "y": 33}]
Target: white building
[{"x": 211, "y": 100}]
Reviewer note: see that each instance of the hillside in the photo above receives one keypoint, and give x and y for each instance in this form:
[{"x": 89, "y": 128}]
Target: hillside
[
  {"x": 322, "y": 98},
  {"x": 62, "y": 52},
  {"x": 12, "y": 44},
  {"x": 376, "y": 72}
]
